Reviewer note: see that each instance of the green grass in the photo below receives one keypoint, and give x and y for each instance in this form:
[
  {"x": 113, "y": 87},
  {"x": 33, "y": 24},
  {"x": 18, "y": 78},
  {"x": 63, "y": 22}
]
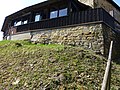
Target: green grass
[{"x": 26, "y": 66}]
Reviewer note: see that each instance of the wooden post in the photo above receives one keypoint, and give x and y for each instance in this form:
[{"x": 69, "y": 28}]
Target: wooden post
[
  {"x": 107, "y": 76},
  {"x": 109, "y": 79}
]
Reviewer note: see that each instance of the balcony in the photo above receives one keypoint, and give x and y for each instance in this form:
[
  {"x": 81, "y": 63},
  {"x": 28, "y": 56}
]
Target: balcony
[{"x": 82, "y": 17}]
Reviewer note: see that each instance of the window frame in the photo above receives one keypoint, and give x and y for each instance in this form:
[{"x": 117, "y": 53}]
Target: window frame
[
  {"x": 61, "y": 11},
  {"x": 25, "y": 22},
  {"x": 58, "y": 13},
  {"x": 38, "y": 17},
  {"x": 17, "y": 23},
  {"x": 54, "y": 16}
]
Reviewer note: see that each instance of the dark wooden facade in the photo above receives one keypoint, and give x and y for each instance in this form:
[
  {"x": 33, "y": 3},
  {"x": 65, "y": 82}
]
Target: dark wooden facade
[{"x": 88, "y": 16}]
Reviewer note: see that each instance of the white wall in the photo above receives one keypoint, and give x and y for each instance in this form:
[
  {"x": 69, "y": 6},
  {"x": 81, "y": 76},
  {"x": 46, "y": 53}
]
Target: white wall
[
  {"x": 22, "y": 36},
  {"x": 87, "y": 2},
  {"x": 1, "y": 36}
]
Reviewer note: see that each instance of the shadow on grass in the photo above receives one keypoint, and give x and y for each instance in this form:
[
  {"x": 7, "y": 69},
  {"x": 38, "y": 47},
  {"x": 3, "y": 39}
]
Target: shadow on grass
[{"x": 116, "y": 60}]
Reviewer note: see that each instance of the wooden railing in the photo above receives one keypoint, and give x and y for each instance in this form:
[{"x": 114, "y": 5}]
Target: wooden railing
[
  {"x": 107, "y": 76},
  {"x": 92, "y": 15}
]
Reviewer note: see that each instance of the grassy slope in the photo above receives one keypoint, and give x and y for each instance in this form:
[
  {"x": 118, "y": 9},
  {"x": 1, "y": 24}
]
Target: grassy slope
[{"x": 51, "y": 67}]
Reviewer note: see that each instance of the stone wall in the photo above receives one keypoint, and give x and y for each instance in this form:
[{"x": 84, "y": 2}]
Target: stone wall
[
  {"x": 88, "y": 36},
  {"x": 94, "y": 37},
  {"x": 110, "y": 35}
]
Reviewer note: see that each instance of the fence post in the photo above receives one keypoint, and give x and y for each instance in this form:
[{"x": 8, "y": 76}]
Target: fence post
[{"x": 107, "y": 75}]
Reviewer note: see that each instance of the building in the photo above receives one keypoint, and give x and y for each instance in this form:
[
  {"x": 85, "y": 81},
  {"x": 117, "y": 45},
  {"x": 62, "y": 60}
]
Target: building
[{"x": 88, "y": 23}]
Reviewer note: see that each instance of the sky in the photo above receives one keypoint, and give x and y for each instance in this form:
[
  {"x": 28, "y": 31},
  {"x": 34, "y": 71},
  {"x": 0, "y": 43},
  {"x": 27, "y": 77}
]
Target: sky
[{"x": 8, "y": 7}]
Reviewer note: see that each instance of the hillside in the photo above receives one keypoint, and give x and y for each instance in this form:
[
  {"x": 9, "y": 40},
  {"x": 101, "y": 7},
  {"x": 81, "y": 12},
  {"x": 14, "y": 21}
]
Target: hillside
[{"x": 26, "y": 66}]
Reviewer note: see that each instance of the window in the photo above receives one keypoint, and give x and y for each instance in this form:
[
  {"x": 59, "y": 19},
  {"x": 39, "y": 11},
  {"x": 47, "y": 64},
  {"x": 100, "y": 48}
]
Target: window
[
  {"x": 38, "y": 17},
  {"x": 63, "y": 12},
  {"x": 111, "y": 13},
  {"x": 25, "y": 22},
  {"x": 18, "y": 23},
  {"x": 53, "y": 14},
  {"x": 15, "y": 23}
]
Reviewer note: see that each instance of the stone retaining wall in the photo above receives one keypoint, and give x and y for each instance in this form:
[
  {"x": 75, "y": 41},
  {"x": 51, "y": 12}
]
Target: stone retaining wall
[
  {"x": 88, "y": 36},
  {"x": 94, "y": 37},
  {"x": 110, "y": 35}
]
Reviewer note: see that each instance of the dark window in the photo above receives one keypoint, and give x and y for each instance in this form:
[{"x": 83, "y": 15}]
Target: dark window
[
  {"x": 53, "y": 14},
  {"x": 63, "y": 12}
]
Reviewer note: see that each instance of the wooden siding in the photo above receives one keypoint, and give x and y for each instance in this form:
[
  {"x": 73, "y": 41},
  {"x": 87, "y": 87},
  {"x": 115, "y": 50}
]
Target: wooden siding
[{"x": 92, "y": 15}]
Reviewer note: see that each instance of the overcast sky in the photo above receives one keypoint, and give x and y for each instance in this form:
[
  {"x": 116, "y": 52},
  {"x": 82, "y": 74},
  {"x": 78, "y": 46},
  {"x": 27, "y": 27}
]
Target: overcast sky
[{"x": 8, "y": 7}]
